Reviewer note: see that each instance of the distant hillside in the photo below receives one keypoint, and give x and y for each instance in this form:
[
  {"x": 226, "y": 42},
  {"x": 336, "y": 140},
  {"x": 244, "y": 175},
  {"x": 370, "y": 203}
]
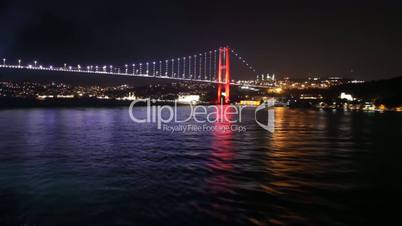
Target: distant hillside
[
  {"x": 388, "y": 92},
  {"x": 76, "y": 78}
]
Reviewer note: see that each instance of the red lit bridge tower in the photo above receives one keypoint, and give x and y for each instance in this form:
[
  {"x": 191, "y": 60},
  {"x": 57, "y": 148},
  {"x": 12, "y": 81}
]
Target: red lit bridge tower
[{"x": 224, "y": 69}]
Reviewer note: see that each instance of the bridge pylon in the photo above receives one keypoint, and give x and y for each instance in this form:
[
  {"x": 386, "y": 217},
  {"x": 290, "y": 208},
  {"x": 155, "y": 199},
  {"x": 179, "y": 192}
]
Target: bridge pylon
[{"x": 224, "y": 69}]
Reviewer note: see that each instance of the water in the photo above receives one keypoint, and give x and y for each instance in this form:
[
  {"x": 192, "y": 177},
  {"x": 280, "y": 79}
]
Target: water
[{"x": 94, "y": 166}]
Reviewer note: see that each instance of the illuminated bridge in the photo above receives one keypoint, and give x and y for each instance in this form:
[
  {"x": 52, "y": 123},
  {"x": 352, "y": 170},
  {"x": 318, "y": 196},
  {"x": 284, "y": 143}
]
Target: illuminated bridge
[{"x": 211, "y": 67}]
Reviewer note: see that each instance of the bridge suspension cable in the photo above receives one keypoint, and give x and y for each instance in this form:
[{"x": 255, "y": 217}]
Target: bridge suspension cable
[{"x": 243, "y": 61}]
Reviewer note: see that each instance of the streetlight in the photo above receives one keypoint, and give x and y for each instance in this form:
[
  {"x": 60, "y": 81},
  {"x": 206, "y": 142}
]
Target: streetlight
[
  {"x": 153, "y": 68},
  {"x": 178, "y": 66},
  {"x": 111, "y": 68},
  {"x": 19, "y": 63},
  {"x": 4, "y": 61},
  {"x": 173, "y": 68},
  {"x": 35, "y": 62},
  {"x": 126, "y": 68},
  {"x": 166, "y": 67}
]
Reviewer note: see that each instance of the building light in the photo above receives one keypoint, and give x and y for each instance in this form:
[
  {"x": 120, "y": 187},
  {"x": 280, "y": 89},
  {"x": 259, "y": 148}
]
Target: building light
[
  {"x": 187, "y": 99},
  {"x": 345, "y": 96}
]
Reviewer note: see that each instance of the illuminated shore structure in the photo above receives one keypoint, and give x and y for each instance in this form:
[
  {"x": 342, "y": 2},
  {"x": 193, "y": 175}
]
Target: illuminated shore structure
[{"x": 210, "y": 67}]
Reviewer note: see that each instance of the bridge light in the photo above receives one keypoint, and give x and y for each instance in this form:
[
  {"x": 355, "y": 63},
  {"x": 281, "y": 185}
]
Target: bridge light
[
  {"x": 19, "y": 63},
  {"x": 35, "y": 62}
]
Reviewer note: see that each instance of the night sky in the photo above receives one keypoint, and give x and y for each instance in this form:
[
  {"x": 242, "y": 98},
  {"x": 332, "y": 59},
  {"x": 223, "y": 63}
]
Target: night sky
[{"x": 359, "y": 39}]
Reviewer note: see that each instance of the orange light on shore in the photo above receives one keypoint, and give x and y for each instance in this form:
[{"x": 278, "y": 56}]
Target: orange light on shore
[
  {"x": 250, "y": 102},
  {"x": 278, "y": 90}
]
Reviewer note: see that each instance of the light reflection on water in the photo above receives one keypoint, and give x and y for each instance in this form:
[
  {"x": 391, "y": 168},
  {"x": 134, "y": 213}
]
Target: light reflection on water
[{"x": 97, "y": 167}]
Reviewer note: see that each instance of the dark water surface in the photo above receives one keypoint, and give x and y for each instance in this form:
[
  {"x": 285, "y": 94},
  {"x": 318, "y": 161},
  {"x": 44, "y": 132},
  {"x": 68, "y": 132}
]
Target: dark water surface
[{"x": 96, "y": 167}]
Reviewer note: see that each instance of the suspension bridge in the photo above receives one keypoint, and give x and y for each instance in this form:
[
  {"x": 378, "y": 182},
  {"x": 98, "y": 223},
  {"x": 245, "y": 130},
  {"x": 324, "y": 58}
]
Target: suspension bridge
[{"x": 210, "y": 67}]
